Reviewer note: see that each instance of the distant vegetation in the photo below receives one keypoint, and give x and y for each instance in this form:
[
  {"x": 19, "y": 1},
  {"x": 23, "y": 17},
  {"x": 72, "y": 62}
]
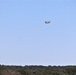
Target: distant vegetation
[{"x": 37, "y": 70}]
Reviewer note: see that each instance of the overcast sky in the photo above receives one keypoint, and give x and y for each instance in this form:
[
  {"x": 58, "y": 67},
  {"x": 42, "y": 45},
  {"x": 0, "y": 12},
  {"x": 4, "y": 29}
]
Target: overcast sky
[{"x": 26, "y": 40}]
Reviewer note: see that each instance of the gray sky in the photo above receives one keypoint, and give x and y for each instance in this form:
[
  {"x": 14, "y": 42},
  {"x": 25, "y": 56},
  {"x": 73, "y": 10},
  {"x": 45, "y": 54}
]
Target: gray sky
[{"x": 26, "y": 40}]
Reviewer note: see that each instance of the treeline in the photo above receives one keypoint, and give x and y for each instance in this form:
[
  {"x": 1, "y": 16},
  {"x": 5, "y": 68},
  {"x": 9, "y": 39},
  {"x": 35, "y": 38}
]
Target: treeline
[{"x": 37, "y": 70}]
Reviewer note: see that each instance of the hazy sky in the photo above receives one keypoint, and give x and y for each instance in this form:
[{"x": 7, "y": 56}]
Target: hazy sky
[{"x": 26, "y": 40}]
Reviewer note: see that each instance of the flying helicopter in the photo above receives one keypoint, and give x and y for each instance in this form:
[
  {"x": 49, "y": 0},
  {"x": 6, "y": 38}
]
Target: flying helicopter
[{"x": 47, "y": 22}]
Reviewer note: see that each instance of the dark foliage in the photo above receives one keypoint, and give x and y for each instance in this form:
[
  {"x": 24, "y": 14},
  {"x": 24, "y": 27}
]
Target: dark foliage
[{"x": 37, "y": 70}]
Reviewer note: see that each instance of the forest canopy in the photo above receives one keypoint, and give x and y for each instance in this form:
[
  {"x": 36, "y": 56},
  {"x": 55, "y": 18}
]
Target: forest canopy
[{"x": 37, "y": 70}]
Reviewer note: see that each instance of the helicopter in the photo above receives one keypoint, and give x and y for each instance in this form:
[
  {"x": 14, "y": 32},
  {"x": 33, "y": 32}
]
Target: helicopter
[{"x": 47, "y": 22}]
